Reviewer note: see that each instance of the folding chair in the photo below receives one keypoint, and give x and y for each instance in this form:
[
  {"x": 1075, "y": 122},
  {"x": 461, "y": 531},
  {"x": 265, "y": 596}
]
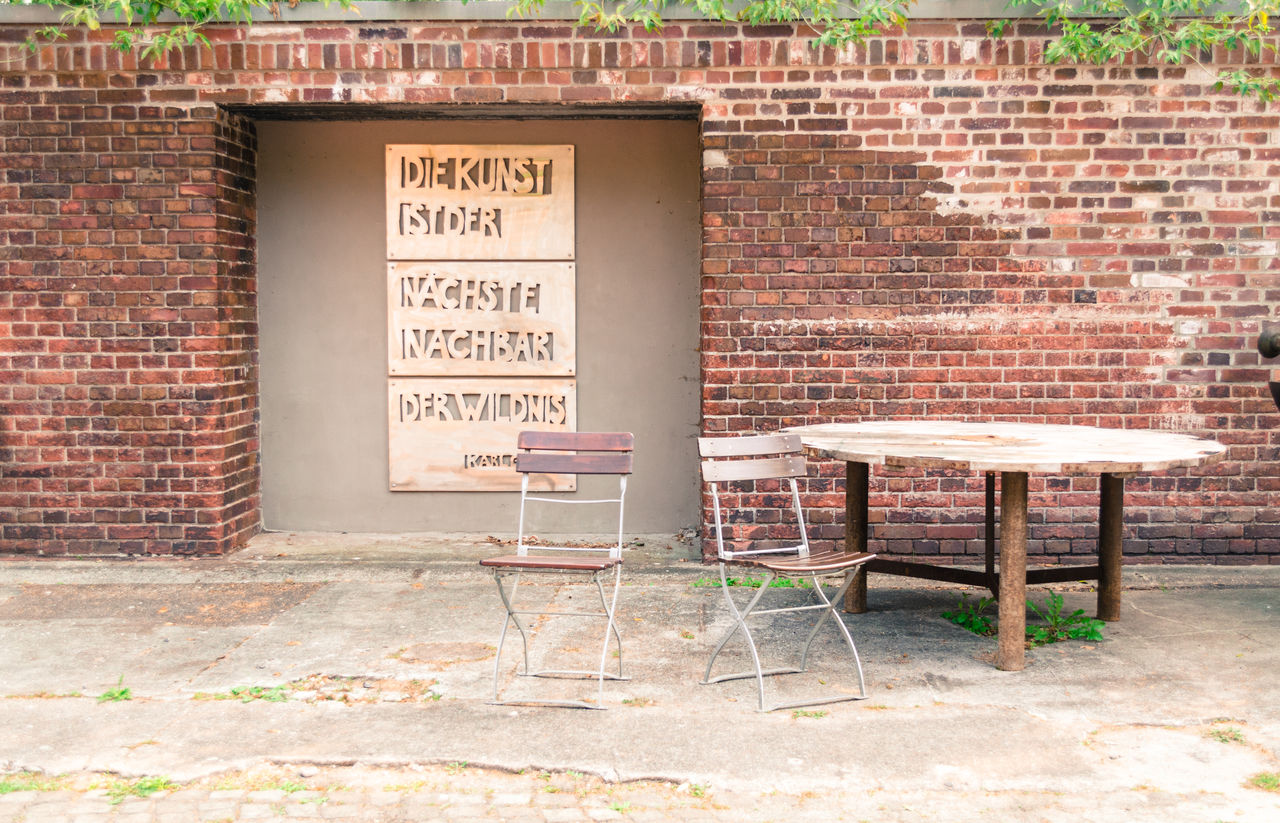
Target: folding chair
[
  {"x": 578, "y": 453},
  {"x": 740, "y": 460}
]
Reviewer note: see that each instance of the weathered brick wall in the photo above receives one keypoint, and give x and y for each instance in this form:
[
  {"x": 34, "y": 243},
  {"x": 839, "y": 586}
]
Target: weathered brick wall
[
  {"x": 129, "y": 397},
  {"x": 928, "y": 225}
]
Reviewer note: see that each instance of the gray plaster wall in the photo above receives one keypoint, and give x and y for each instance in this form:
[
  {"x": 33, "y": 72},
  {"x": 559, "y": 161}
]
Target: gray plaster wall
[{"x": 322, "y": 320}]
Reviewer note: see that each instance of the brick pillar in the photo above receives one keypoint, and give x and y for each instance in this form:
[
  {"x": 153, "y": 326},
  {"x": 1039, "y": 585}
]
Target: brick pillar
[
  {"x": 128, "y": 407},
  {"x": 223, "y": 342}
]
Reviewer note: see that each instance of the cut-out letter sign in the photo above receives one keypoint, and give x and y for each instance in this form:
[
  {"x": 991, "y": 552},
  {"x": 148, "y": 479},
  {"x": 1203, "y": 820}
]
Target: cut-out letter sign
[
  {"x": 460, "y": 434},
  {"x": 466, "y": 318},
  {"x": 480, "y": 203},
  {"x": 481, "y": 337}
]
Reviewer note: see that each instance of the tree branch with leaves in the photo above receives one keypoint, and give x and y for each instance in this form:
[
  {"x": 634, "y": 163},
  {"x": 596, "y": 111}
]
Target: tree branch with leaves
[
  {"x": 1170, "y": 32},
  {"x": 181, "y": 21}
]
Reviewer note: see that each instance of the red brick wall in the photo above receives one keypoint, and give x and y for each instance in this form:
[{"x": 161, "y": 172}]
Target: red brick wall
[
  {"x": 929, "y": 225},
  {"x": 129, "y": 391}
]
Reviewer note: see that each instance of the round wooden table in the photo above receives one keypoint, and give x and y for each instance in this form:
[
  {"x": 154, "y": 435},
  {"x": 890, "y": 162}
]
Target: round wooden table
[{"x": 1014, "y": 450}]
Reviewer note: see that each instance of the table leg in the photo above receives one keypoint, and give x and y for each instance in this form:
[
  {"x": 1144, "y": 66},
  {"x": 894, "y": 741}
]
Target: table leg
[
  {"x": 856, "y": 529},
  {"x": 989, "y": 536},
  {"x": 1011, "y": 651},
  {"x": 1110, "y": 545}
]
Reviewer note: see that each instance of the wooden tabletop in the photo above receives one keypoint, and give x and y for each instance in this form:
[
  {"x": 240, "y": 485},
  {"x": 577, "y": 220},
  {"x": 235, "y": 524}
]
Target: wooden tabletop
[{"x": 1006, "y": 447}]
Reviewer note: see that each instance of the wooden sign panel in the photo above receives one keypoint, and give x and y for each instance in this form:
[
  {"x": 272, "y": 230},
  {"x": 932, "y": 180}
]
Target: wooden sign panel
[
  {"x": 466, "y": 318},
  {"x": 480, "y": 202},
  {"x": 452, "y": 434},
  {"x": 480, "y": 311}
]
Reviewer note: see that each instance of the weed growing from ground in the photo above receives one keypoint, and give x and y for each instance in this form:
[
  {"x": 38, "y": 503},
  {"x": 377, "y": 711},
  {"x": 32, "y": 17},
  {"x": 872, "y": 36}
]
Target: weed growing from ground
[
  {"x": 327, "y": 687},
  {"x": 120, "y": 692},
  {"x": 30, "y": 782},
  {"x": 247, "y": 694},
  {"x": 121, "y": 790},
  {"x": 753, "y": 583},
  {"x": 1060, "y": 626},
  {"x": 798, "y": 713},
  {"x": 1267, "y": 781},
  {"x": 275, "y": 694},
  {"x": 1225, "y": 734},
  {"x": 969, "y": 615},
  {"x": 1057, "y": 623}
]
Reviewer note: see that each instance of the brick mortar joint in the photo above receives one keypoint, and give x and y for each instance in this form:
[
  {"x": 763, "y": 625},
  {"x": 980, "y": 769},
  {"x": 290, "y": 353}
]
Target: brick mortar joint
[{"x": 993, "y": 320}]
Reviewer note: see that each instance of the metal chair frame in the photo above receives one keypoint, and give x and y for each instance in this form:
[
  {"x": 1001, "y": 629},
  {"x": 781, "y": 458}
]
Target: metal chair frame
[
  {"x": 565, "y": 453},
  {"x": 775, "y": 457}
]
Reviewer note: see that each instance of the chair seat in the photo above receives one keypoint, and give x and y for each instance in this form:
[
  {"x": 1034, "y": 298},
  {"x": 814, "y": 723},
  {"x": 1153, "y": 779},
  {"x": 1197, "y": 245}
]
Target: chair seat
[
  {"x": 543, "y": 563},
  {"x": 828, "y": 561}
]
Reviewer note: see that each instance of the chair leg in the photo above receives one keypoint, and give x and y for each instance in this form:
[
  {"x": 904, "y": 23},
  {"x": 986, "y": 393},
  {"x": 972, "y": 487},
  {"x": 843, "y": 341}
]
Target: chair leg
[
  {"x": 826, "y": 605},
  {"x": 610, "y": 606},
  {"x": 739, "y": 624},
  {"x": 508, "y": 601},
  {"x": 829, "y": 610},
  {"x": 608, "y": 610},
  {"x": 821, "y": 597},
  {"x": 751, "y": 642}
]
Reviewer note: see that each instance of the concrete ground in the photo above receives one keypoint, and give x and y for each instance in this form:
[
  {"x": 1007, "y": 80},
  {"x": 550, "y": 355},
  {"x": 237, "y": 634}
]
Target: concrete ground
[{"x": 326, "y": 677}]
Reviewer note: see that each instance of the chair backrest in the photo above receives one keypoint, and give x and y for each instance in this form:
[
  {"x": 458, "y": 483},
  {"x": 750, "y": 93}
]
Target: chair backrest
[
  {"x": 574, "y": 452},
  {"x": 755, "y": 457},
  {"x": 595, "y": 453}
]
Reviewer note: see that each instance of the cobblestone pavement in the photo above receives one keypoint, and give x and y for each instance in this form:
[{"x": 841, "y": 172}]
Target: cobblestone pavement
[{"x": 458, "y": 793}]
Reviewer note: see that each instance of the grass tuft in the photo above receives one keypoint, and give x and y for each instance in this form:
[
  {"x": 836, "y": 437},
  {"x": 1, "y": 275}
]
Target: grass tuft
[
  {"x": 30, "y": 782},
  {"x": 1267, "y": 781},
  {"x": 120, "y": 692},
  {"x": 121, "y": 790}
]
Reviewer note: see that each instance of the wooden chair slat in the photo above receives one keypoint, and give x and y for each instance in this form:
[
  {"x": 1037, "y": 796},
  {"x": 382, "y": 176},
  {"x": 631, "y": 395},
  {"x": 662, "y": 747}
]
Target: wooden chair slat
[
  {"x": 729, "y": 471},
  {"x": 754, "y": 445},
  {"x": 818, "y": 562},
  {"x": 577, "y": 441},
  {"x": 548, "y": 563},
  {"x": 556, "y": 463}
]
